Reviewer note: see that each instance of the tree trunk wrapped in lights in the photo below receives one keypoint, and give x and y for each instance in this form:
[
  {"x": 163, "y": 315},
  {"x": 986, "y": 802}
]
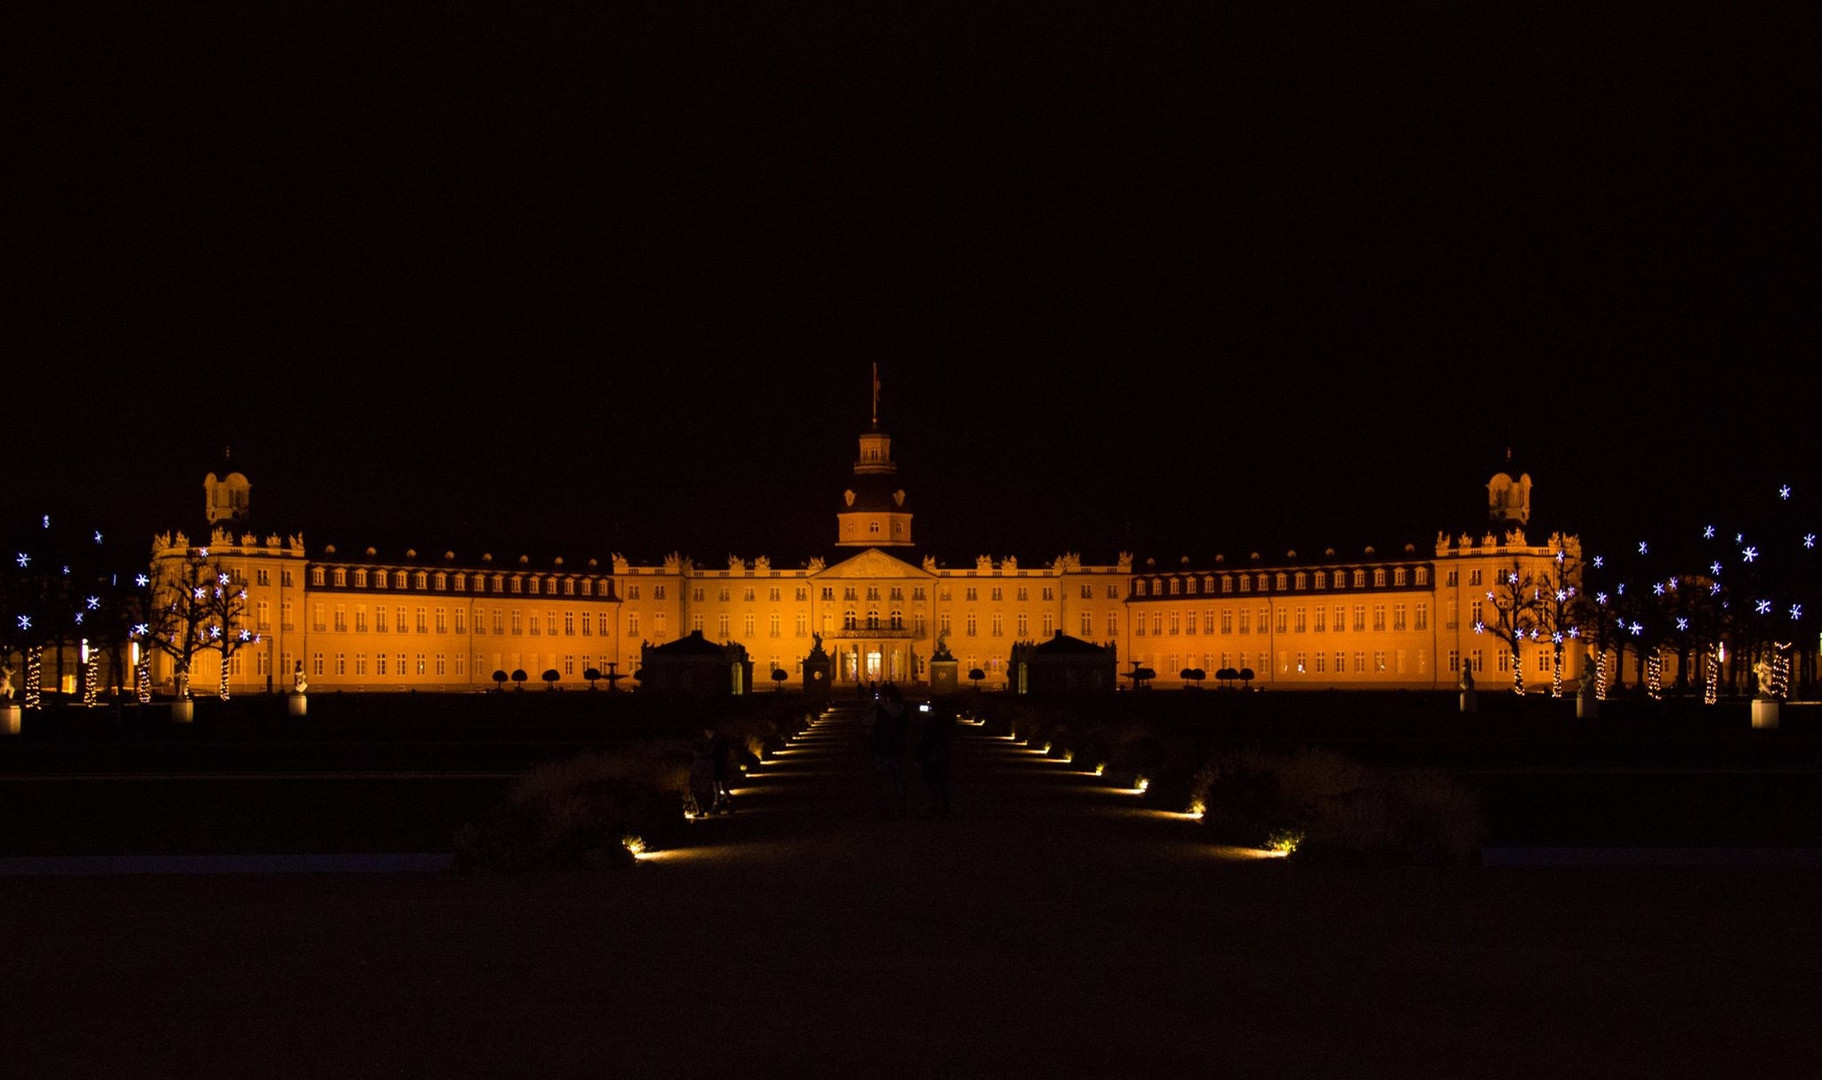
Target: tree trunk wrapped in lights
[
  {"x": 1600, "y": 676},
  {"x": 1654, "y": 675},
  {"x": 142, "y": 677},
  {"x": 1556, "y": 671},
  {"x": 89, "y": 680},
  {"x": 1711, "y": 690},
  {"x": 34, "y": 677}
]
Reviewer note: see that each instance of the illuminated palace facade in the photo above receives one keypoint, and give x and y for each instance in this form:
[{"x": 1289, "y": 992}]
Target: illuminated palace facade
[{"x": 360, "y": 622}]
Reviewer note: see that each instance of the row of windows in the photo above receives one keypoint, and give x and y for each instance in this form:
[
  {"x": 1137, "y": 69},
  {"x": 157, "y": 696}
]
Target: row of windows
[
  {"x": 1298, "y": 620},
  {"x": 438, "y": 664},
  {"x": 1281, "y": 581},
  {"x": 589, "y": 623},
  {"x": 533, "y": 585}
]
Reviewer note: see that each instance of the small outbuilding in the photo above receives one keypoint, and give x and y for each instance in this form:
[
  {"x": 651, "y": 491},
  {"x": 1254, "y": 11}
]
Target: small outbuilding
[
  {"x": 1063, "y": 665},
  {"x": 695, "y": 665}
]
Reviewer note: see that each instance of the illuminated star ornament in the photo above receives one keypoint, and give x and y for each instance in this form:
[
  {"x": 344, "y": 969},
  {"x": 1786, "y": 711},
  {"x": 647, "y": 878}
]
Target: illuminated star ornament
[
  {"x": 25, "y": 622},
  {"x": 94, "y": 602},
  {"x": 1809, "y": 540},
  {"x": 1749, "y": 553},
  {"x": 24, "y": 560},
  {"x": 1714, "y": 567},
  {"x": 141, "y": 581},
  {"x": 1708, "y": 533},
  {"x": 1796, "y": 611},
  {"x": 140, "y": 629},
  {"x": 1642, "y": 547},
  {"x": 1784, "y": 492},
  {"x": 98, "y": 536},
  {"x": 1763, "y": 607}
]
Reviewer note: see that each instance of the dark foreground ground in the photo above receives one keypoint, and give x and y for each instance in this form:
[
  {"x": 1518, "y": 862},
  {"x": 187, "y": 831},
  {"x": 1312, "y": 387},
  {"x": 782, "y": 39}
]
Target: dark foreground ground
[{"x": 1051, "y": 927}]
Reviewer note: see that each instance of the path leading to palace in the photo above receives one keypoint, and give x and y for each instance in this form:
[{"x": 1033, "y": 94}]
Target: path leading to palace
[{"x": 1052, "y": 926}]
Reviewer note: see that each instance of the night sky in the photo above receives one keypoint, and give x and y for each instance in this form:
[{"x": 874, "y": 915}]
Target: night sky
[{"x": 1169, "y": 279}]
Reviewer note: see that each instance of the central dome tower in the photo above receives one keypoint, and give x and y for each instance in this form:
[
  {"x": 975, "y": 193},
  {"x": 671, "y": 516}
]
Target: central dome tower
[{"x": 873, "y": 510}]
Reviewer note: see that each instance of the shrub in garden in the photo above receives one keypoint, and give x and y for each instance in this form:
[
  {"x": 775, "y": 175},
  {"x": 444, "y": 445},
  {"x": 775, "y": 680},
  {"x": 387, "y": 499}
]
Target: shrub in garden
[
  {"x": 1327, "y": 808},
  {"x": 1420, "y": 818},
  {"x": 580, "y": 812}
]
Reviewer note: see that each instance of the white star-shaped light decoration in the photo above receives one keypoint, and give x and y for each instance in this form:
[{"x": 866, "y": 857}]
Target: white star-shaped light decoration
[
  {"x": 1749, "y": 553},
  {"x": 47, "y": 521},
  {"x": 1637, "y": 629},
  {"x": 1762, "y": 607},
  {"x": 246, "y": 635},
  {"x": 1575, "y": 631},
  {"x": 1796, "y": 611},
  {"x": 1620, "y": 589},
  {"x": 1809, "y": 540},
  {"x": 1642, "y": 548},
  {"x": 24, "y": 560},
  {"x": 1682, "y": 624},
  {"x": 1561, "y": 555},
  {"x": 25, "y": 622},
  {"x": 1600, "y": 598},
  {"x": 140, "y": 629},
  {"x": 1739, "y": 538},
  {"x": 1480, "y": 628},
  {"x": 1708, "y": 533},
  {"x": 1657, "y": 589},
  {"x": 1670, "y": 584},
  {"x": 201, "y": 593},
  {"x": 1784, "y": 492},
  {"x": 215, "y": 631},
  {"x": 1557, "y": 638},
  {"x": 202, "y": 553},
  {"x": 1598, "y": 560},
  {"x": 1561, "y": 595},
  {"x": 79, "y": 618},
  {"x": 1489, "y": 594},
  {"x": 1714, "y": 589},
  {"x": 142, "y": 581},
  {"x": 98, "y": 536},
  {"x": 94, "y": 602},
  {"x": 66, "y": 569},
  {"x": 222, "y": 577},
  {"x": 1714, "y": 567},
  {"x": 1512, "y": 578}
]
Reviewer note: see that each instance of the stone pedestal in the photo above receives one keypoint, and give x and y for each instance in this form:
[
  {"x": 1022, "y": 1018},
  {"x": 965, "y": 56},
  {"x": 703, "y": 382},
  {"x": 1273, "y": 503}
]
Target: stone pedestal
[
  {"x": 297, "y": 704},
  {"x": 1587, "y": 707},
  {"x": 10, "y": 719},
  {"x": 1765, "y": 714},
  {"x": 944, "y": 676},
  {"x": 183, "y": 711},
  {"x": 1469, "y": 701}
]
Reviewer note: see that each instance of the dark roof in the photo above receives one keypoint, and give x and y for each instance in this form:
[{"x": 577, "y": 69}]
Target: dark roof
[
  {"x": 874, "y": 491},
  {"x": 1064, "y": 645},
  {"x": 691, "y": 644}
]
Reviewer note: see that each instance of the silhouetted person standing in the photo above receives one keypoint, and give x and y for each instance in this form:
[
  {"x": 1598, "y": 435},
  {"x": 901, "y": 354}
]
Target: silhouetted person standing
[
  {"x": 933, "y": 746},
  {"x": 887, "y": 741}
]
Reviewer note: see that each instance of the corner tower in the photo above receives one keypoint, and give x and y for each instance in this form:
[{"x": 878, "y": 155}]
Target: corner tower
[
  {"x": 873, "y": 510},
  {"x": 1509, "y": 496},
  {"x": 227, "y": 497}
]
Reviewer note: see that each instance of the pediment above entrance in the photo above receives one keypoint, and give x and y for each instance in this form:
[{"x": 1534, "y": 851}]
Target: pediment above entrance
[{"x": 873, "y": 563}]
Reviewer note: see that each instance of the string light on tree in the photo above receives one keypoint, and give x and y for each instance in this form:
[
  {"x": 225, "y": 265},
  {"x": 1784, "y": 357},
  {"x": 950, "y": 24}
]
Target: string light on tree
[
  {"x": 34, "y": 676},
  {"x": 1711, "y": 691}
]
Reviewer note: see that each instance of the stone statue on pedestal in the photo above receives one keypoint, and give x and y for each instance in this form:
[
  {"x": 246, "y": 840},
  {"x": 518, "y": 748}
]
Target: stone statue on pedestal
[
  {"x": 299, "y": 684},
  {"x": 1763, "y": 672}
]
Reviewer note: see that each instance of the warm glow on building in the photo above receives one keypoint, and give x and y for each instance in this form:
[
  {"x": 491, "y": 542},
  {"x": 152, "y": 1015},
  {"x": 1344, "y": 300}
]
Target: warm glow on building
[{"x": 435, "y": 622}]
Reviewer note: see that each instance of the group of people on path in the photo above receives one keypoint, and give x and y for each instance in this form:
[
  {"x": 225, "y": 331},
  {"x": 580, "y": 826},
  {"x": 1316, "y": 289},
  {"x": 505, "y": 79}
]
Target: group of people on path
[{"x": 899, "y": 734}]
